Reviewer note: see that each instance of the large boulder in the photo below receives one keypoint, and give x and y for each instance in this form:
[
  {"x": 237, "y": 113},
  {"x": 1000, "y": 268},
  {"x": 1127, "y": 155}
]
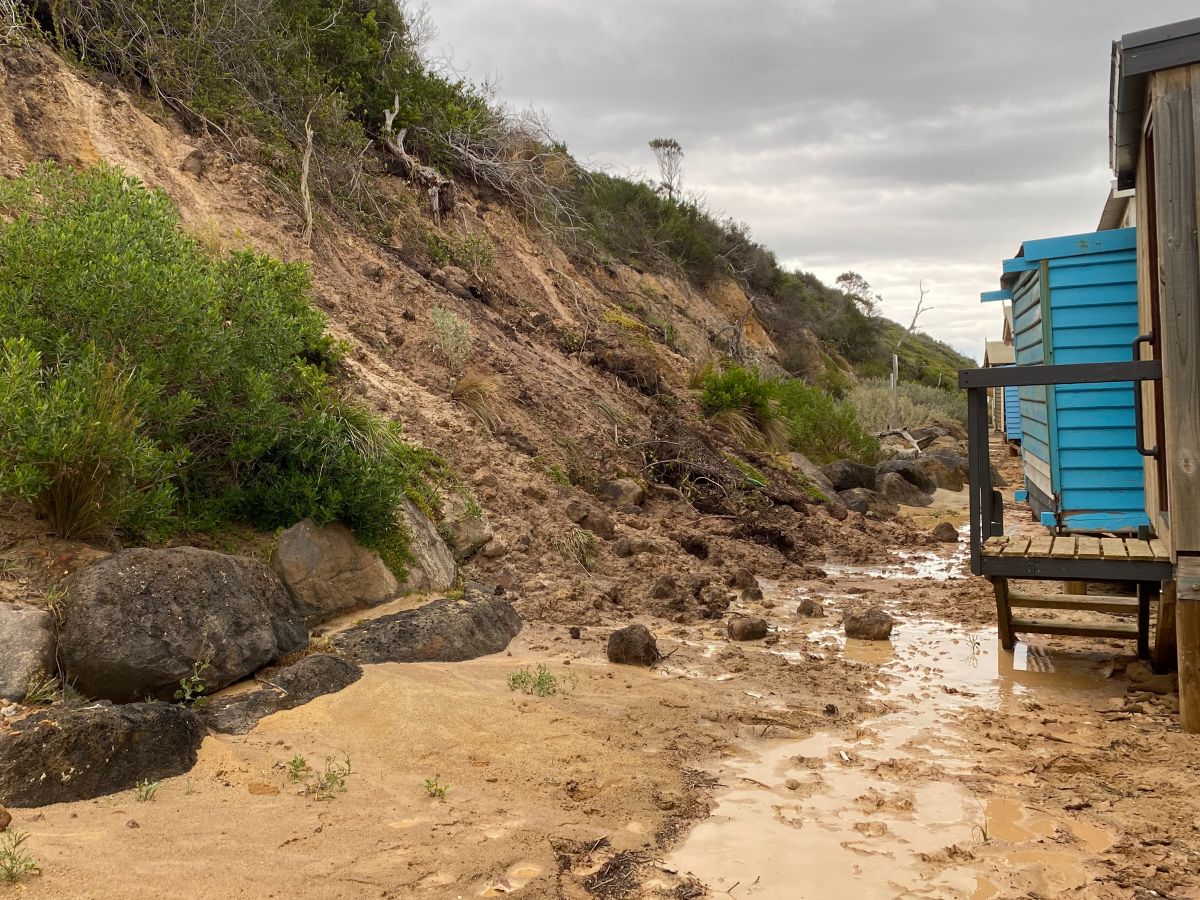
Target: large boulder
[
  {"x": 26, "y": 648},
  {"x": 846, "y": 475},
  {"x": 868, "y": 502},
  {"x": 478, "y": 624},
  {"x": 957, "y": 462},
  {"x": 328, "y": 571},
  {"x": 945, "y": 533},
  {"x": 746, "y": 629},
  {"x": 432, "y": 567},
  {"x": 140, "y": 621},
  {"x": 633, "y": 645},
  {"x": 76, "y": 753},
  {"x": 289, "y": 687},
  {"x": 898, "y": 489},
  {"x": 813, "y": 474},
  {"x": 622, "y": 492},
  {"x": 942, "y": 476},
  {"x": 910, "y": 469},
  {"x": 872, "y": 624}
]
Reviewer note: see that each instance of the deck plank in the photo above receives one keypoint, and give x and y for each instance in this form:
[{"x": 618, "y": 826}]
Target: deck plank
[
  {"x": 1139, "y": 549},
  {"x": 1113, "y": 548},
  {"x": 1064, "y": 547},
  {"x": 1160, "y": 550},
  {"x": 1016, "y": 546},
  {"x": 1088, "y": 548},
  {"x": 1040, "y": 546},
  {"x": 993, "y": 545}
]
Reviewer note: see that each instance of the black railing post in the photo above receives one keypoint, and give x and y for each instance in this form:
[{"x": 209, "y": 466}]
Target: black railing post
[{"x": 978, "y": 474}]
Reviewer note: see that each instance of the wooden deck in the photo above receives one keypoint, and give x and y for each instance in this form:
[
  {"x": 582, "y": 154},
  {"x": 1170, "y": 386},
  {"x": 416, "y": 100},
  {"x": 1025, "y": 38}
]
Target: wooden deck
[{"x": 1074, "y": 546}]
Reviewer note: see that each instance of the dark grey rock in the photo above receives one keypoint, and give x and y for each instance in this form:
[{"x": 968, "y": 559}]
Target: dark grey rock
[
  {"x": 741, "y": 579},
  {"x": 910, "y": 469},
  {"x": 633, "y": 645},
  {"x": 846, "y": 474},
  {"x": 945, "y": 533},
  {"x": 594, "y": 520},
  {"x": 872, "y": 624},
  {"x": 810, "y": 609},
  {"x": 433, "y": 567},
  {"x": 76, "y": 753},
  {"x": 693, "y": 544},
  {"x": 898, "y": 489},
  {"x": 868, "y": 502},
  {"x": 665, "y": 587},
  {"x": 746, "y": 629},
  {"x": 138, "y": 621},
  {"x": 26, "y": 648},
  {"x": 942, "y": 476},
  {"x": 445, "y": 630},
  {"x": 287, "y": 688}
]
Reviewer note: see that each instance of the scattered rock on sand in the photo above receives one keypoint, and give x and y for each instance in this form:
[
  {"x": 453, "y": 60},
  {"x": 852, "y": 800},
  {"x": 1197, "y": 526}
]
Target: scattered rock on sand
[
  {"x": 846, "y": 474},
  {"x": 287, "y": 688},
  {"x": 327, "y": 570},
  {"x": 870, "y": 625},
  {"x": 693, "y": 544},
  {"x": 622, "y": 492},
  {"x": 80, "y": 752},
  {"x": 633, "y": 645},
  {"x": 898, "y": 489},
  {"x": 945, "y": 533},
  {"x": 746, "y": 629},
  {"x": 810, "y": 609},
  {"x": 445, "y": 630},
  {"x": 26, "y": 648},
  {"x": 665, "y": 587},
  {"x": 741, "y": 579},
  {"x": 627, "y": 547},
  {"x": 140, "y": 620},
  {"x": 594, "y": 520},
  {"x": 865, "y": 501}
]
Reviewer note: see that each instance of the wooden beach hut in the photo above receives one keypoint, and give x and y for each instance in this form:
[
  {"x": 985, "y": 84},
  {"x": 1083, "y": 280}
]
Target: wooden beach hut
[
  {"x": 1006, "y": 404},
  {"x": 1074, "y": 300}
]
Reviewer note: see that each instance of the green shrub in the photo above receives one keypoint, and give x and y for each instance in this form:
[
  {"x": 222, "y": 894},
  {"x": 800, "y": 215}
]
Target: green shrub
[
  {"x": 783, "y": 413},
  {"x": 919, "y": 405},
  {"x": 149, "y": 386}
]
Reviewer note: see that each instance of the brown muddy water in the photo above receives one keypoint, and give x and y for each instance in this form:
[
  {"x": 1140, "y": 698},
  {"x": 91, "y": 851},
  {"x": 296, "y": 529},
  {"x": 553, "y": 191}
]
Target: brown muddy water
[{"x": 882, "y": 810}]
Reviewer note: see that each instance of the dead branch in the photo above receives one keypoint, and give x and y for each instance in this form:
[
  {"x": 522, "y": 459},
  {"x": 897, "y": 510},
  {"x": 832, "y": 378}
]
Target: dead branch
[
  {"x": 441, "y": 190},
  {"x": 305, "y": 195}
]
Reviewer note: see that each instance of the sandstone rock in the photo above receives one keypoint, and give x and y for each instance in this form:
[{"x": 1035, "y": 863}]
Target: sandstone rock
[
  {"x": 327, "y": 570},
  {"x": 714, "y": 601},
  {"x": 898, "y": 489},
  {"x": 76, "y": 753},
  {"x": 810, "y": 609},
  {"x": 868, "y": 502},
  {"x": 746, "y": 629},
  {"x": 626, "y": 547},
  {"x": 945, "y": 533},
  {"x": 138, "y": 621},
  {"x": 442, "y": 631},
  {"x": 942, "y": 476},
  {"x": 752, "y": 593},
  {"x": 846, "y": 475},
  {"x": 594, "y": 520},
  {"x": 910, "y": 469},
  {"x": 741, "y": 579},
  {"x": 468, "y": 535},
  {"x": 433, "y": 567},
  {"x": 287, "y": 688},
  {"x": 872, "y": 624},
  {"x": 665, "y": 587},
  {"x": 622, "y": 492},
  {"x": 26, "y": 648},
  {"x": 633, "y": 645}
]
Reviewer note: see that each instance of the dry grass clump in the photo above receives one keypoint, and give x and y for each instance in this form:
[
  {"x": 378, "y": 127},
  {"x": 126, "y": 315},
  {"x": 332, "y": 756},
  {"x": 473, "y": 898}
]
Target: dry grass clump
[{"x": 478, "y": 393}]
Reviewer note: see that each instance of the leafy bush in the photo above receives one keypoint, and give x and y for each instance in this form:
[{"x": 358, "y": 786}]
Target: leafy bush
[
  {"x": 783, "y": 413},
  {"x": 452, "y": 335},
  {"x": 919, "y": 405},
  {"x": 149, "y": 386}
]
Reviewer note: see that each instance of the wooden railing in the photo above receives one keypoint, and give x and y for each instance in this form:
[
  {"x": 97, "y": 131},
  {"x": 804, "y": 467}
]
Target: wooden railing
[{"x": 987, "y": 516}]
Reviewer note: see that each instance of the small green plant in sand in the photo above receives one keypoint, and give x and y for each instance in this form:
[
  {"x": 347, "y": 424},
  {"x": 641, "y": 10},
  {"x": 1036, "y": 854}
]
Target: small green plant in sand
[
  {"x": 297, "y": 768},
  {"x": 435, "y": 788},
  {"x": 8, "y": 570},
  {"x": 15, "y": 861},
  {"x": 540, "y": 681},
  {"x": 328, "y": 784},
  {"x": 42, "y": 689},
  {"x": 191, "y": 687},
  {"x": 144, "y": 790}
]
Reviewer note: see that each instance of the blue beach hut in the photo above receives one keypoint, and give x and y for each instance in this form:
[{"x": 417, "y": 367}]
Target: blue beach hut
[{"x": 1074, "y": 300}]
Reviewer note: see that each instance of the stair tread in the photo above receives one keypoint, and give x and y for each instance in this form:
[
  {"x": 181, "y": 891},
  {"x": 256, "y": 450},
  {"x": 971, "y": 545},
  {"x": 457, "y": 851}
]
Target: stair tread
[
  {"x": 1114, "y": 629},
  {"x": 1093, "y": 603}
]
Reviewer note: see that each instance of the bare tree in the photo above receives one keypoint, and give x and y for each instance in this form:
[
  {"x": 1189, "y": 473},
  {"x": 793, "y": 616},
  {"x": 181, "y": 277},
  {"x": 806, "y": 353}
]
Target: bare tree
[
  {"x": 921, "y": 308},
  {"x": 670, "y": 165}
]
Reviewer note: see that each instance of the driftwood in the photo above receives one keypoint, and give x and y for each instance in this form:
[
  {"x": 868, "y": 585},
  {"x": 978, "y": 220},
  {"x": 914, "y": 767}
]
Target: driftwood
[
  {"x": 440, "y": 189},
  {"x": 901, "y": 432}
]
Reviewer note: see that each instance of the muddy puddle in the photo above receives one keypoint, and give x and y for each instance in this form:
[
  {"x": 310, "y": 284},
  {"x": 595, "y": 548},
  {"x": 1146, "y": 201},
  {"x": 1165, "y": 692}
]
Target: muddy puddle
[{"x": 881, "y": 810}]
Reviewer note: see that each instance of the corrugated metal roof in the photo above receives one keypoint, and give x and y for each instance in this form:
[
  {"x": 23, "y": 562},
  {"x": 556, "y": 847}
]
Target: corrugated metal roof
[
  {"x": 1134, "y": 57},
  {"x": 998, "y": 353}
]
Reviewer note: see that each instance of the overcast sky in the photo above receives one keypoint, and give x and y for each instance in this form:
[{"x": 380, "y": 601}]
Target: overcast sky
[{"x": 905, "y": 141}]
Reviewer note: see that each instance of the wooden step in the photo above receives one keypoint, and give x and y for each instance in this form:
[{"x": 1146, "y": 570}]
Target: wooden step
[
  {"x": 1115, "y": 630},
  {"x": 1112, "y": 605}
]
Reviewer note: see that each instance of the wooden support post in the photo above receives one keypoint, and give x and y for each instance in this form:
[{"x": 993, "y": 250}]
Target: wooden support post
[
  {"x": 1187, "y": 636},
  {"x": 1075, "y": 588},
  {"x": 1147, "y": 593},
  {"x": 1163, "y": 656},
  {"x": 1003, "y": 613}
]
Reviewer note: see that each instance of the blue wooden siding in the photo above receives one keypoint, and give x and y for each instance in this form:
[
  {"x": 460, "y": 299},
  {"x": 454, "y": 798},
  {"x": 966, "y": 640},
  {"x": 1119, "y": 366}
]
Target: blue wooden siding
[
  {"x": 1012, "y": 413},
  {"x": 1075, "y": 301}
]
